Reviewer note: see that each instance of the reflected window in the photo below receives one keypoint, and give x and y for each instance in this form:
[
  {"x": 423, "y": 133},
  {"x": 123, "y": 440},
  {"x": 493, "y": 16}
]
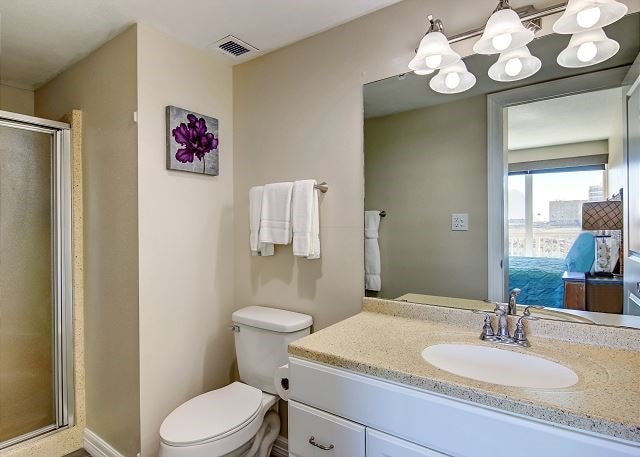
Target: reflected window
[{"x": 545, "y": 208}]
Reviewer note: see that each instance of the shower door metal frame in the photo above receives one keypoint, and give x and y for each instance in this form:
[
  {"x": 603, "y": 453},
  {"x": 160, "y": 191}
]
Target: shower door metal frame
[{"x": 61, "y": 269}]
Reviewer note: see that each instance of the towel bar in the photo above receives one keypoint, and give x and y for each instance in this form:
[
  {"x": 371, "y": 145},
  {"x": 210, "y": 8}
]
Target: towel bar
[{"x": 322, "y": 187}]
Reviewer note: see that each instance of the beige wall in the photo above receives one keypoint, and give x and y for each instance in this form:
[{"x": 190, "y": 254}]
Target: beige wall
[
  {"x": 16, "y": 100},
  {"x": 103, "y": 86},
  {"x": 299, "y": 114},
  {"x": 186, "y": 235},
  {"x": 420, "y": 171}
]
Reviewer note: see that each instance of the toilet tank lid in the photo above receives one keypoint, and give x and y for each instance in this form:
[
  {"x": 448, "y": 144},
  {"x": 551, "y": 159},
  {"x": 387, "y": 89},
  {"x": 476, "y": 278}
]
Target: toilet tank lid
[{"x": 276, "y": 320}]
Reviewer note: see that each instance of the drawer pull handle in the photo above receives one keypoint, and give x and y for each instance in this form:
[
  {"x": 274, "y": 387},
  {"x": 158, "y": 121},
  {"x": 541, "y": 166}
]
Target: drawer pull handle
[{"x": 312, "y": 441}]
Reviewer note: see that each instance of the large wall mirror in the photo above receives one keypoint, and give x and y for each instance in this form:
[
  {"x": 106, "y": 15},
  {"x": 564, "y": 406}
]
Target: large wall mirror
[{"x": 435, "y": 204}]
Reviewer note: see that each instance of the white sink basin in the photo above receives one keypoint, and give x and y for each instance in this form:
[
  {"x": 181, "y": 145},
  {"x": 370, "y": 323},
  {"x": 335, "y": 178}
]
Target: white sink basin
[{"x": 497, "y": 366}]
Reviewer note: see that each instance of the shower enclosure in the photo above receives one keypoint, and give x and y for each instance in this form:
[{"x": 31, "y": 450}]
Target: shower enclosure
[{"x": 36, "y": 347}]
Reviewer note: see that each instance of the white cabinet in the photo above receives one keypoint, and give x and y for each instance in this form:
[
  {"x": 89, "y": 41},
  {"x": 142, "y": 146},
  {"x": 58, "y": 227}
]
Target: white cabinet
[
  {"x": 335, "y": 406},
  {"x": 314, "y": 433},
  {"x": 383, "y": 445}
]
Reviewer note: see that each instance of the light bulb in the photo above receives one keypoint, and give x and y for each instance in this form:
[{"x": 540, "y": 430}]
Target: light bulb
[
  {"x": 433, "y": 61},
  {"x": 513, "y": 67},
  {"x": 502, "y": 41},
  {"x": 423, "y": 72},
  {"x": 588, "y": 17},
  {"x": 586, "y": 51},
  {"x": 452, "y": 80}
]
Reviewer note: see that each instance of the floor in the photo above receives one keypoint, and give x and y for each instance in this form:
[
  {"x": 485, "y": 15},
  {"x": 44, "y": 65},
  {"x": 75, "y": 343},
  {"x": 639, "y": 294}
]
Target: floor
[{"x": 79, "y": 453}]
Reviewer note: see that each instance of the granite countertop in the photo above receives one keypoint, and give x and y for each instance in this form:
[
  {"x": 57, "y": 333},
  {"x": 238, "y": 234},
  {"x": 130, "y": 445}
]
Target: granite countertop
[{"x": 388, "y": 345}]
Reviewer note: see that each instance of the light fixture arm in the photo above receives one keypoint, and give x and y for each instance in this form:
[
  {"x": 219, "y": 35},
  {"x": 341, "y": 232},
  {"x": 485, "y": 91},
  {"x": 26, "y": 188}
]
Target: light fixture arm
[
  {"x": 435, "y": 25},
  {"x": 524, "y": 16}
]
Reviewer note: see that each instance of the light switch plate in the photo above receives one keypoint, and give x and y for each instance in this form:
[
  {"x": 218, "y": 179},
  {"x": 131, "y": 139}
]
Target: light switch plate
[{"x": 460, "y": 222}]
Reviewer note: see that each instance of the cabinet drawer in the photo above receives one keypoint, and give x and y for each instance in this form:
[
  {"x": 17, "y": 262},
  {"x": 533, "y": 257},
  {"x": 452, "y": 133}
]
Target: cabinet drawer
[
  {"x": 383, "y": 445},
  {"x": 347, "y": 438}
]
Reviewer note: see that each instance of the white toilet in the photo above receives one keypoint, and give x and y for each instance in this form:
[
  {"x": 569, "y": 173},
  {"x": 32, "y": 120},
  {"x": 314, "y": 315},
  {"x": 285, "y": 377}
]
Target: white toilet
[{"x": 239, "y": 419}]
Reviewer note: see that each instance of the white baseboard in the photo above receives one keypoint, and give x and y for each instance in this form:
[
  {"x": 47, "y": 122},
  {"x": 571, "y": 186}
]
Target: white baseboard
[
  {"x": 280, "y": 448},
  {"x": 98, "y": 447}
]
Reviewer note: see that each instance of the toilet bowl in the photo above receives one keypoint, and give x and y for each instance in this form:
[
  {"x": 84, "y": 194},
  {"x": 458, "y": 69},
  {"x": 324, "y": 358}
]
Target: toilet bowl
[
  {"x": 239, "y": 420},
  {"x": 222, "y": 422}
]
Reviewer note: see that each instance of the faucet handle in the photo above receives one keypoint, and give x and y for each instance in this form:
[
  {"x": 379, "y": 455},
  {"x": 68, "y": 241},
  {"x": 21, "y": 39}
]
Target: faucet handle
[
  {"x": 487, "y": 328},
  {"x": 519, "y": 335}
]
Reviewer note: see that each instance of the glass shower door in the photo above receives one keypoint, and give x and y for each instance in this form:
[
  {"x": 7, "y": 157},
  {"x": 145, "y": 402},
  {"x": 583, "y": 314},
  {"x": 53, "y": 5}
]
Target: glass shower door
[{"x": 31, "y": 301}]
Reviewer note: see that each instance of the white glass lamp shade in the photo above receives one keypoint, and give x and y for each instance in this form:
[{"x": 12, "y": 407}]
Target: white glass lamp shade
[
  {"x": 436, "y": 52},
  {"x": 504, "y": 31},
  {"x": 419, "y": 66},
  {"x": 515, "y": 65},
  {"x": 453, "y": 79},
  {"x": 588, "y": 48},
  {"x": 582, "y": 15}
]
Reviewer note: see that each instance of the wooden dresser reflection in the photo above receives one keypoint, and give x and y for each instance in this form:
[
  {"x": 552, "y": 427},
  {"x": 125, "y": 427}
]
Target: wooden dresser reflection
[{"x": 589, "y": 293}]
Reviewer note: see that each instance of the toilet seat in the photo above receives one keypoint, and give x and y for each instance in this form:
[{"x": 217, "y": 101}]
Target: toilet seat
[{"x": 213, "y": 416}]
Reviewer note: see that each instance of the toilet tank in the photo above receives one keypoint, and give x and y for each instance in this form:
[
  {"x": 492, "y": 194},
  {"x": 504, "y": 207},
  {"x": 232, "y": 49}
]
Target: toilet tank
[{"x": 261, "y": 336}]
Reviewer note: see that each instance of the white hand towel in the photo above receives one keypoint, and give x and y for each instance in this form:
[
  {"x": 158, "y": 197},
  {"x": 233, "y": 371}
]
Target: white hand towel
[
  {"x": 255, "y": 209},
  {"x": 372, "y": 280},
  {"x": 275, "y": 219},
  {"x": 371, "y": 224},
  {"x": 305, "y": 220}
]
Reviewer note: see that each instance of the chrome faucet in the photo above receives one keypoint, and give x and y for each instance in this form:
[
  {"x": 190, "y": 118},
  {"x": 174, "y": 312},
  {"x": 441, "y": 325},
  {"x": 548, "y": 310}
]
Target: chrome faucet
[
  {"x": 503, "y": 322},
  {"x": 512, "y": 310},
  {"x": 502, "y": 335}
]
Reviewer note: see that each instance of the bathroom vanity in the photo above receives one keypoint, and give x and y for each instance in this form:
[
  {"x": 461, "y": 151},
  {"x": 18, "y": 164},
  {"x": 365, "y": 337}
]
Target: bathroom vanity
[{"x": 364, "y": 387}]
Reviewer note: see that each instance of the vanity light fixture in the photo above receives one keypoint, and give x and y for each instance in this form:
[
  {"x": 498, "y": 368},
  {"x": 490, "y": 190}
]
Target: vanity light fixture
[
  {"x": 504, "y": 32},
  {"x": 453, "y": 79},
  {"x": 583, "y": 15},
  {"x": 588, "y": 48},
  {"x": 419, "y": 66},
  {"x": 434, "y": 51},
  {"x": 507, "y": 32},
  {"x": 515, "y": 65}
]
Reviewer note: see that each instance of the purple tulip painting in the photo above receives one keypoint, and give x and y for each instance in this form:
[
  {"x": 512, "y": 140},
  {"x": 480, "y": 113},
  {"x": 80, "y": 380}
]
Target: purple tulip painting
[{"x": 192, "y": 142}]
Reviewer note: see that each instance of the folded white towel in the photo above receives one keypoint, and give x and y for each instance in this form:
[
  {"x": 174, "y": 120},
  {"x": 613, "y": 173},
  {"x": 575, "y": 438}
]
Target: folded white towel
[
  {"x": 305, "y": 220},
  {"x": 372, "y": 280},
  {"x": 255, "y": 210},
  {"x": 275, "y": 219}
]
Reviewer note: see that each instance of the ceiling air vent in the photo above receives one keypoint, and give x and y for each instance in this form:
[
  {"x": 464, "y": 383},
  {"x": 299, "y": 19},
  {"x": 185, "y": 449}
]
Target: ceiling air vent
[{"x": 234, "y": 47}]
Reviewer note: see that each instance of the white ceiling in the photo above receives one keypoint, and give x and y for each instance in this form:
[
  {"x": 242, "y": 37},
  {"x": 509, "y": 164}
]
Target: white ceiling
[
  {"x": 40, "y": 38},
  {"x": 564, "y": 120}
]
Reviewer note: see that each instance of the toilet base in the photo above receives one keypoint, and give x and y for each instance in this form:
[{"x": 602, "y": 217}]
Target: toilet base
[{"x": 193, "y": 451}]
